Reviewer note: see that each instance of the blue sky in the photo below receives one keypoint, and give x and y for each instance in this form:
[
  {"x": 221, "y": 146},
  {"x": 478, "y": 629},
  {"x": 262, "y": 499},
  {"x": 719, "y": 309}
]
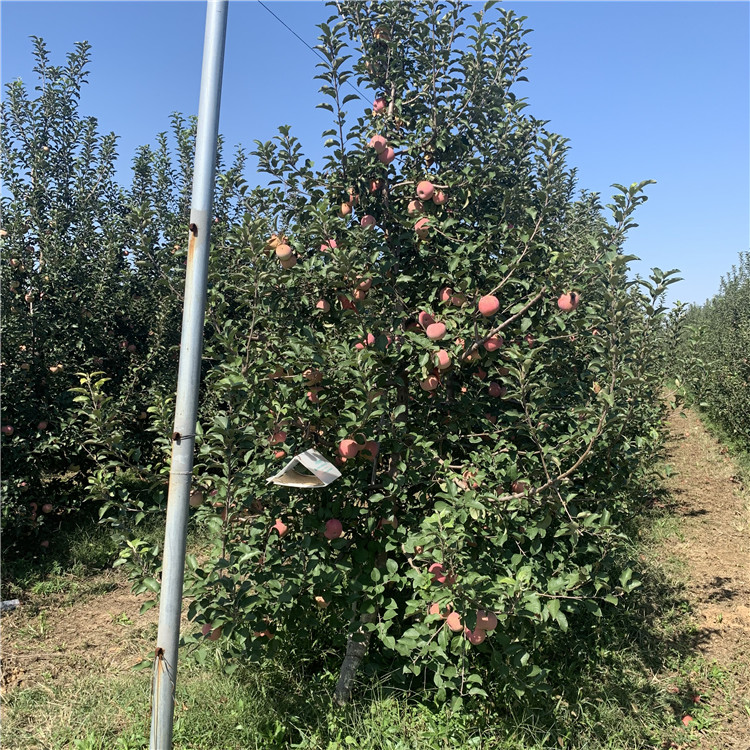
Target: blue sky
[{"x": 643, "y": 90}]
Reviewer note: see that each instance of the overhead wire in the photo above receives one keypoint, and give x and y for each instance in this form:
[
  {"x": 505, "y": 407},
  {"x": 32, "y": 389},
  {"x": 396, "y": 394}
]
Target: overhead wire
[{"x": 312, "y": 49}]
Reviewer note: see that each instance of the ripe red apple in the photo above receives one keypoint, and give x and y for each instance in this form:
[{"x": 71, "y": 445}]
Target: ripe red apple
[
  {"x": 436, "y": 331},
  {"x": 215, "y": 634},
  {"x": 283, "y": 252},
  {"x": 442, "y": 359},
  {"x": 321, "y": 304},
  {"x": 430, "y": 383},
  {"x": 346, "y": 303},
  {"x": 475, "y": 637},
  {"x": 42, "y": 425},
  {"x": 439, "y": 198},
  {"x": 364, "y": 284},
  {"x": 345, "y": 209},
  {"x": 425, "y": 319},
  {"x": 321, "y": 602},
  {"x": 278, "y": 437},
  {"x": 446, "y": 294},
  {"x": 367, "y": 221},
  {"x": 280, "y": 527},
  {"x": 568, "y": 302},
  {"x": 334, "y": 529},
  {"x": 379, "y": 105},
  {"x": 44, "y": 543},
  {"x": 480, "y": 373},
  {"x": 496, "y": 390},
  {"x": 348, "y": 448},
  {"x": 372, "y": 446},
  {"x": 196, "y": 499},
  {"x": 435, "y": 610},
  {"x": 518, "y": 487},
  {"x": 379, "y": 143},
  {"x": 360, "y": 295},
  {"x": 453, "y": 621},
  {"x": 486, "y": 620},
  {"x": 47, "y": 508},
  {"x": 425, "y": 190},
  {"x": 312, "y": 395},
  {"x": 8, "y": 429},
  {"x": 489, "y": 305},
  {"x": 289, "y": 262},
  {"x": 458, "y": 300},
  {"x": 131, "y": 348},
  {"x": 387, "y": 156},
  {"x": 329, "y": 244},
  {"x": 438, "y": 576},
  {"x": 422, "y": 228},
  {"x": 415, "y": 207},
  {"x": 493, "y": 343},
  {"x": 14, "y": 262},
  {"x": 377, "y": 184}
]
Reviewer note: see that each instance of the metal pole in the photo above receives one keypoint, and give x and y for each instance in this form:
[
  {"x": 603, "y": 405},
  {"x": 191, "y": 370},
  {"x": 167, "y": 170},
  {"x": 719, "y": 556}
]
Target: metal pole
[{"x": 164, "y": 676}]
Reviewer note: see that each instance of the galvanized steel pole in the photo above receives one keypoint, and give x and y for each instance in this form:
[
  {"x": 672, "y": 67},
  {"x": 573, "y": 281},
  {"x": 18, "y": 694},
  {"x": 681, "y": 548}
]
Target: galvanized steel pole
[{"x": 164, "y": 676}]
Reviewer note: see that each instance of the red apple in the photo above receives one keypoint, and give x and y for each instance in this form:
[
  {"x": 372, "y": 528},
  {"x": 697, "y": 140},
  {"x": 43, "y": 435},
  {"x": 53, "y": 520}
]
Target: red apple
[
  {"x": 496, "y": 390},
  {"x": 422, "y": 228},
  {"x": 439, "y": 198},
  {"x": 379, "y": 105},
  {"x": 283, "y": 252},
  {"x": 196, "y": 498},
  {"x": 489, "y": 305},
  {"x": 430, "y": 383},
  {"x": 569, "y": 302},
  {"x": 329, "y": 244},
  {"x": 446, "y": 294},
  {"x": 345, "y": 209},
  {"x": 348, "y": 448},
  {"x": 425, "y": 319},
  {"x": 486, "y": 620},
  {"x": 312, "y": 395},
  {"x": 280, "y": 527},
  {"x": 321, "y": 304},
  {"x": 42, "y": 426},
  {"x": 493, "y": 343},
  {"x": 438, "y": 576},
  {"x": 453, "y": 621},
  {"x": 367, "y": 221},
  {"x": 44, "y": 543},
  {"x": 289, "y": 262},
  {"x": 475, "y": 637},
  {"x": 425, "y": 190},
  {"x": 47, "y": 508},
  {"x": 436, "y": 331},
  {"x": 278, "y": 437},
  {"x": 379, "y": 143},
  {"x": 373, "y": 447},
  {"x": 415, "y": 207},
  {"x": 8, "y": 429},
  {"x": 443, "y": 359},
  {"x": 334, "y": 529},
  {"x": 364, "y": 284},
  {"x": 321, "y": 602},
  {"x": 387, "y": 156}
]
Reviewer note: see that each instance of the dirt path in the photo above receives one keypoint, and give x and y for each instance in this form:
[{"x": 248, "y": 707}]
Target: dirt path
[
  {"x": 714, "y": 545},
  {"x": 99, "y": 629}
]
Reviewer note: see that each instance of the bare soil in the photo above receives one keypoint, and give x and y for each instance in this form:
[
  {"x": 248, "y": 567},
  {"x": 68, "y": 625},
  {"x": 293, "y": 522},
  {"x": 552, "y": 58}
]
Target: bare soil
[
  {"x": 99, "y": 629},
  {"x": 713, "y": 544}
]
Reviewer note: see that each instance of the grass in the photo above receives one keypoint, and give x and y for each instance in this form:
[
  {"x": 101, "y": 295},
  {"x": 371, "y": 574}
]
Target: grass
[{"x": 623, "y": 682}]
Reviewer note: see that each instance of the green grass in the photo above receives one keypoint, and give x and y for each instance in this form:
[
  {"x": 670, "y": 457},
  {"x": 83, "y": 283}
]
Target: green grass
[{"x": 622, "y": 682}]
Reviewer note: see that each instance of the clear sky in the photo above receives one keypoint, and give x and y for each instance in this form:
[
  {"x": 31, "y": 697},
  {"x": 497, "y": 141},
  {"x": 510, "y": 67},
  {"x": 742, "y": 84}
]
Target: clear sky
[{"x": 643, "y": 90}]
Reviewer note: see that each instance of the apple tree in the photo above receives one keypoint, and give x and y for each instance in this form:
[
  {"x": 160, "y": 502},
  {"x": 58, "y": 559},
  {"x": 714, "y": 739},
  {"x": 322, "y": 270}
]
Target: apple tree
[{"x": 436, "y": 311}]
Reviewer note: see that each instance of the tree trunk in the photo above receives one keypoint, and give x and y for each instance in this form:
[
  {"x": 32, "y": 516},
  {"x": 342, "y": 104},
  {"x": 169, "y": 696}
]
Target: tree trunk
[{"x": 356, "y": 648}]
